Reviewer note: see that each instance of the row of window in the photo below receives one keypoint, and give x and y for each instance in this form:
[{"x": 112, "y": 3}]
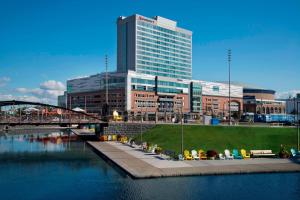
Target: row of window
[
  {"x": 188, "y": 66},
  {"x": 143, "y": 32},
  {"x": 165, "y": 44},
  {"x": 163, "y": 52},
  {"x": 142, "y": 88},
  {"x": 142, "y": 81},
  {"x": 170, "y": 90},
  {"x": 196, "y": 92},
  {"x": 164, "y": 57},
  {"x": 216, "y": 88},
  {"x": 145, "y": 95},
  {"x": 156, "y": 73},
  {"x": 159, "y": 47},
  {"x": 163, "y": 72},
  {"x": 164, "y": 30},
  {"x": 172, "y": 84},
  {"x": 161, "y": 67}
]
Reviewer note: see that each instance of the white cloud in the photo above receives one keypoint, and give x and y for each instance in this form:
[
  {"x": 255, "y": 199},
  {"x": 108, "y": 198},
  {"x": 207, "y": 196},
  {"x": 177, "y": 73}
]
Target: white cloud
[
  {"x": 53, "y": 85},
  {"x": 46, "y": 93},
  {"x": 54, "y": 92},
  {"x": 6, "y": 97},
  {"x": 287, "y": 94},
  {"x": 35, "y": 91},
  {"x": 4, "y": 81},
  {"x": 22, "y": 90},
  {"x": 9, "y": 97}
]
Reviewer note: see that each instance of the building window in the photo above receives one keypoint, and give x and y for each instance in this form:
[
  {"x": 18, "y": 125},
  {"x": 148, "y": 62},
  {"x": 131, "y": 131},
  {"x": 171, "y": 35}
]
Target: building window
[{"x": 216, "y": 88}]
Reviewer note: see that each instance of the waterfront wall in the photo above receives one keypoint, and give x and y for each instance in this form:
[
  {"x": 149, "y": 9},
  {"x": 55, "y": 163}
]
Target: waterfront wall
[{"x": 127, "y": 128}]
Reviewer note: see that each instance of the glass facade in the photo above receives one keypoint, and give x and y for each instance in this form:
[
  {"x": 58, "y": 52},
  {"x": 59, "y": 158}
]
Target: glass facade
[
  {"x": 163, "y": 52},
  {"x": 196, "y": 97},
  {"x": 124, "y": 46}
]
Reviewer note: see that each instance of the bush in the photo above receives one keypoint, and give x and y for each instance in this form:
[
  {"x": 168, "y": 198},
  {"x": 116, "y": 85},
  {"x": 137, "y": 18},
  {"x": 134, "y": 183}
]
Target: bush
[
  {"x": 158, "y": 150},
  {"x": 283, "y": 153}
]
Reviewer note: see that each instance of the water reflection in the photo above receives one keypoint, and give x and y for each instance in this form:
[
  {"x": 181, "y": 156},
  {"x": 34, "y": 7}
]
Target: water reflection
[
  {"x": 53, "y": 142},
  {"x": 40, "y": 167}
]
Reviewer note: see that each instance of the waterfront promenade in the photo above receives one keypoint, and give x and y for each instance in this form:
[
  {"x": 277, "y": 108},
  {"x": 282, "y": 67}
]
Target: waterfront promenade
[{"x": 139, "y": 164}]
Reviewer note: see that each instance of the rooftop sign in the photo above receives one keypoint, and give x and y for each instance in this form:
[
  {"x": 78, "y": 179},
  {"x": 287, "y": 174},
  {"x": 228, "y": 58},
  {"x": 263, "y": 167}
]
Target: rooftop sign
[{"x": 146, "y": 20}]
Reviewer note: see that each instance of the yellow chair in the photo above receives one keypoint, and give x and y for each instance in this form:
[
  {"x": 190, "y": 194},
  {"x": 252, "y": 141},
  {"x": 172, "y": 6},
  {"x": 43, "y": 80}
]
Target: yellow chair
[
  {"x": 114, "y": 137},
  {"x": 245, "y": 154},
  {"x": 202, "y": 154},
  {"x": 187, "y": 155},
  {"x": 124, "y": 140}
]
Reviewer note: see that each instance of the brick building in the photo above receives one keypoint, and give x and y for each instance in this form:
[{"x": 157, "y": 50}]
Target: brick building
[{"x": 262, "y": 101}]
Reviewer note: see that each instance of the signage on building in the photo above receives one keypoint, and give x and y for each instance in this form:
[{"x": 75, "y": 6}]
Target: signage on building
[{"x": 146, "y": 20}]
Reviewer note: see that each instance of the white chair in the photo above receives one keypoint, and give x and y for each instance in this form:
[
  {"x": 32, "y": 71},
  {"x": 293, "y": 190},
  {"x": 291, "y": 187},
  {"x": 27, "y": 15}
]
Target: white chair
[
  {"x": 221, "y": 156},
  {"x": 228, "y": 156},
  {"x": 195, "y": 155},
  {"x": 109, "y": 138}
]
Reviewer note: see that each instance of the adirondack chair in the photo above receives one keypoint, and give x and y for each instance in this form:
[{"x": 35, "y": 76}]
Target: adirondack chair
[
  {"x": 194, "y": 155},
  {"x": 187, "y": 155},
  {"x": 236, "y": 155},
  {"x": 228, "y": 155},
  {"x": 245, "y": 154},
  {"x": 202, "y": 154}
]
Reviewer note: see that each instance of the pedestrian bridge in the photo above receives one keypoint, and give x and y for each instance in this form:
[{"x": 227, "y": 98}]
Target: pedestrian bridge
[{"x": 35, "y": 113}]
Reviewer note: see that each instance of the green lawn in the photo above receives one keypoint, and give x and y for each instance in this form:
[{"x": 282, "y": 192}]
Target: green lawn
[{"x": 221, "y": 137}]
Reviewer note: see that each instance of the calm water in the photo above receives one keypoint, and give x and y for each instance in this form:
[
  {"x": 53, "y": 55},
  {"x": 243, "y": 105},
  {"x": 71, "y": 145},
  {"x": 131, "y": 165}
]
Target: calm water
[{"x": 43, "y": 168}]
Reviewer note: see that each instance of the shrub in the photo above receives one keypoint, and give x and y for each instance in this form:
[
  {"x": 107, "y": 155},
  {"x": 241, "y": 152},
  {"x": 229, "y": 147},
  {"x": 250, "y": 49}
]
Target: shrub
[
  {"x": 158, "y": 150},
  {"x": 283, "y": 153}
]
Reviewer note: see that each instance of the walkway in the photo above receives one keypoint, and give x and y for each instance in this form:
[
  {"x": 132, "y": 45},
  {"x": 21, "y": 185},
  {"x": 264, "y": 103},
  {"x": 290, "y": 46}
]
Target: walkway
[{"x": 139, "y": 164}]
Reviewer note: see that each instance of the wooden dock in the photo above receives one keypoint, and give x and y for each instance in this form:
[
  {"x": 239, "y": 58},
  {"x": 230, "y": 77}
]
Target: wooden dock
[{"x": 139, "y": 164}]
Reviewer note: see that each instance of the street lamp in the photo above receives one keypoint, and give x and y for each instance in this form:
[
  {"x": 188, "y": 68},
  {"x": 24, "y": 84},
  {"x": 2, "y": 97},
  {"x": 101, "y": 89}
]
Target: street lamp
[
  {"x": 181, "y": 129},
  {"x": 141, "y": 134},
  {"x": 181, "y": 119},
  {"x": 298, "y": 102},
  {"x": 229, "y": 81}
]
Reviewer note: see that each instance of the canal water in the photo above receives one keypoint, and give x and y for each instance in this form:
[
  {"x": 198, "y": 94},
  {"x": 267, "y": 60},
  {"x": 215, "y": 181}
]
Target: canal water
[{"x": 43, "y": 166}]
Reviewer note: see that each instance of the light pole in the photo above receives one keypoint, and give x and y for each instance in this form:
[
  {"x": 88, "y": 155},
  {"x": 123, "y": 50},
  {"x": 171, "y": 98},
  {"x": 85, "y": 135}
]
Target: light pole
[
  {"x": 181, "y": 119},
  {"x": 229, "y": 77},
  {"x": 141, "y": 122},
  {"x": 181, "y": 128},
  {"x": 298, "y": 102}
]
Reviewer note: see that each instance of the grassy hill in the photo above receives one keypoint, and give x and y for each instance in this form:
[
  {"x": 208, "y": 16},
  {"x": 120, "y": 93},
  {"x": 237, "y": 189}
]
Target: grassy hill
[{"x": 221, "y": 137}]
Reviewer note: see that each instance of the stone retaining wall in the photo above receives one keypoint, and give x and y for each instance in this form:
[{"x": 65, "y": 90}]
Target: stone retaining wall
[{"x": 127, "y": 128}]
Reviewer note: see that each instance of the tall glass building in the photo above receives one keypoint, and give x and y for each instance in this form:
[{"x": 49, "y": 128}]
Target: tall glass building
[{"x": 154, "y": 46}]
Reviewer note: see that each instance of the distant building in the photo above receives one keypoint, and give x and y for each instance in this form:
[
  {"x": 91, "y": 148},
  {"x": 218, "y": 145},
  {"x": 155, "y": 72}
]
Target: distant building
[
  {"x": 215, "y": 99},
  {"x": 62, "y": 100},
  {"x": 291, "y": 104},
  {"x": 154, "y": 46},
  {"x": 153, "y": 77},
  {"x": 131, "y": 93},
  {"x": 89, "y": 93},
  {"x": 262, "y": 101}
]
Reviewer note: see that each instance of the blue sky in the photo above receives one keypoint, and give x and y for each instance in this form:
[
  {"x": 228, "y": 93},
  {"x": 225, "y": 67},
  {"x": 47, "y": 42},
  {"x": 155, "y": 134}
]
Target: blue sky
[{"x": 58, "y": 40}]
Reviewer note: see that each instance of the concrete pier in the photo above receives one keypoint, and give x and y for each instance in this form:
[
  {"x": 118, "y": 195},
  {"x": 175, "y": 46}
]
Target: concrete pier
[{"x": 139, "y": 164}]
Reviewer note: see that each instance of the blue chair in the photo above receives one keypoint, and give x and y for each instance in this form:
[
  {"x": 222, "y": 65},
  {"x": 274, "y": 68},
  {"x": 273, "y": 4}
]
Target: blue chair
[
  {"x": 236, "y": 155},
  {"x": 180, "y": 157},
  {"x": 295, "y": 153}
]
